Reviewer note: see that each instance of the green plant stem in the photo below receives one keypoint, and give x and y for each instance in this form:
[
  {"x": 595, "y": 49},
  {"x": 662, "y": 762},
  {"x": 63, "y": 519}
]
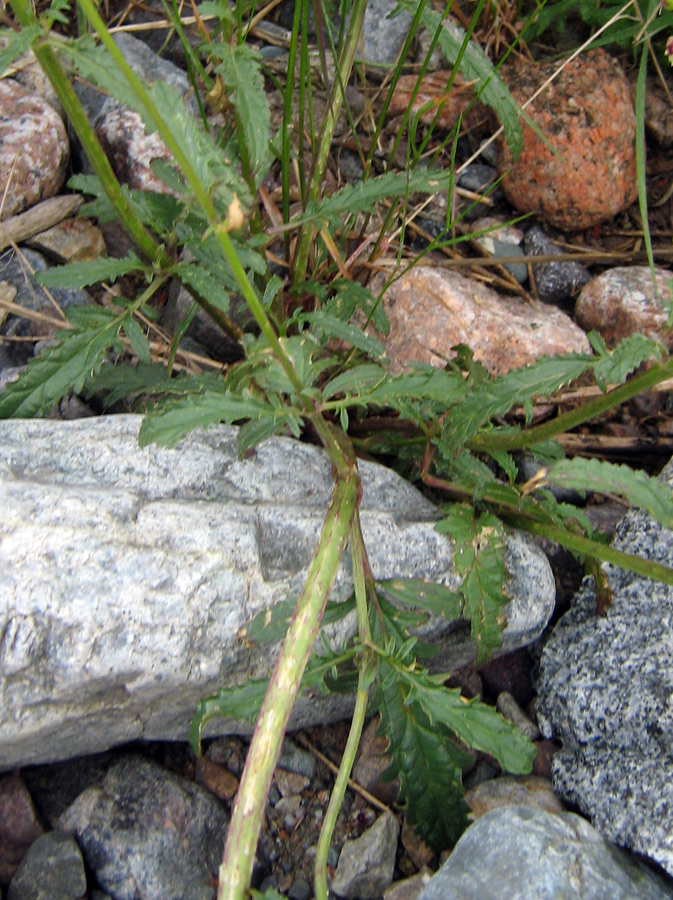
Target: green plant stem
[
  {"x": 90, "y": 143},
  {"x": 536, "y": 524},
  {"x": 324, "y": 143},
  {"x": 248, "y": 812},
  {"x": 360, "y": 566},
  {"x": 595, "y": 549},
  {"x": 566, "y": 421},
  {"x": 339, "y": 789}
]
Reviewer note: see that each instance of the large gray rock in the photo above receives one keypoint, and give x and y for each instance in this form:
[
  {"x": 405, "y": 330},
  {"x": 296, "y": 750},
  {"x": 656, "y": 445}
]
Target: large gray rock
[
  {"x": 606, "y": 692},
  {"x": 126, "y": 574},
  {"x": 521, "y": 853},
  {"x": 148, "y": 834}
]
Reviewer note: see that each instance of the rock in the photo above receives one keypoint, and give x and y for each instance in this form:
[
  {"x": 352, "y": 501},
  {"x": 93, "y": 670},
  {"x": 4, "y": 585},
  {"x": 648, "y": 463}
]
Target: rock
[
  {"x": 121, "y": 130},
  {"x": 513, "y": 790},
  {"x": 150, "y": 560},
  {"x": 555, "y": 282},
  {"x": 409, "y": 888},
  {"x": 366, "y": 864},
  {"x": 509, "y": 672},
  {"x": 499, "y": 239},
  {"x": 211, "y": 339},
  {"x": 147, "y": 834},
  {"x": 623, "y": 301},
  {"x": 73, "y": 240},
  {"x": 659, "y": 115},
  {"x": 436, "y": 103},
  {"x": 33, "y": 149},
  {"x": 605, "y": 689},
  {"x": 587, "y": 116},
  {"x": 216, "y": 779},
  {"x": 479, "y": 178},
  {"x": 131, "y": 150},
  {"x": 294, "y": 759},
  {"x": 19, "y": 825},
  {"x": 383, "y": 37},
  {"x": 52, "y": 869},
  {"x": 17, "y": 271},
  {"x": 433, "y": 309},
  {"x": 419, "y": 853},
  {"x": 525, "y": 854},
  {"x": 510, "y": 709},
  {"x": 372, "y": 761}
]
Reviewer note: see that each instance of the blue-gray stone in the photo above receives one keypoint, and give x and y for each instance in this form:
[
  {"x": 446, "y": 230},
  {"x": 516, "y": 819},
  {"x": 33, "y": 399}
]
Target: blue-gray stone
[
  {"x": 556, "y": 282},
  {"x": 52, "y": 869},
  {"x": 384, "y": 37},
  {"x": 17, "y": 269},
  {"x": 148, "y": 834},
  {"x": 523, "y": 853},
  {"x": 606, "y": 693}
]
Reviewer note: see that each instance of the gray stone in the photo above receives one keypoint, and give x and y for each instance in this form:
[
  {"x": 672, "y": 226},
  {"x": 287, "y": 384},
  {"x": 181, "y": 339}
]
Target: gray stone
[
  {"x": 17, "y": 270},
  {"x": 52, "y": 869},
  {"x": 384, "y": 37},
  {"x": 366, "y": 864},
  {"x": 148, "y": 834},
  {"x": 606, "y": 693},
  {"x": 522, "y": 853},
  {"x": 202, "y": 330},
  {"x": 126, "y": 574},
  {"x": 556, "y": 282}
]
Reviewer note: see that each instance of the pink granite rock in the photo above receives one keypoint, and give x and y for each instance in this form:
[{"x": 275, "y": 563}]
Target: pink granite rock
[
  {"x": 33, "y": 149},
  {"x": 623, "y": 301},
  {"x": 432, "y": 309},
  {"x": 19, "y": 825},
  {"x": 587, "y": 116},
  {"x": 131, "y": 150}
]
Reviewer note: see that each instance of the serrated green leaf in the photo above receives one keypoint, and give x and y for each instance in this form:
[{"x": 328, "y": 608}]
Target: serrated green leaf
[
  {"x": 477, "y": 725},
  {"x": 62, "y": 369},
  {"x": 497, "y": 396},
  {"x": 615, "y": 366},
  {"x": 635, "y": 486},
  {"x": 417, "y": 593},
  {"x": 82, "y": 274},
  {"x": 426, "y": 383},
  {"x": 166, "y": 426},
  {"x": 138, "y": 340},
  {"x": 93, "y": 62},
  {"x": 357, "y": 380},
  {"x": 17, "y": 43},
  {"x": 328, "y": 326},
  {"x": 241, "y": 703},
  {"x": 393, "y": 626},
  {"x": 206, "y": 286},
  {"x": 271, "y": 624},
  {"x": 428, "y": 765},
  {"x": 476, "y": 66},
  {"x": 240, "y": 69},
  {"x": 361, "y": 197},
  {"x": 120, "y": 381},
  {"x": 479, "y": 559}
]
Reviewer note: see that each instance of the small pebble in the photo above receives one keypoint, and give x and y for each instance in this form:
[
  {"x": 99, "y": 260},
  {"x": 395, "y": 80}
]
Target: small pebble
[
  {"x": 511, "y": 710},
  {"x": 294, "y": 759},
  {"x": 556, "y": 282}
]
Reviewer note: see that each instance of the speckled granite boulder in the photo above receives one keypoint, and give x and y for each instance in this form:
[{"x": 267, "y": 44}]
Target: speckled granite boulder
[
  {"x": 126, "y": 574},
  {"x": 587, "y": 116},
  {"x": 623, "y": 301},
  {"x": 606, "y": 693},
  {"x": 33, "y": 149},
  {"x": 521, "y": 853},
  {"x": 431, "y": 310}
]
